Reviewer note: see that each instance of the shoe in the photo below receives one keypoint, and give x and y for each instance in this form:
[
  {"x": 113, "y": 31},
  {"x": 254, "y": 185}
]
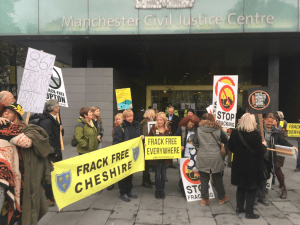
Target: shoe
[
  {"x": 50, "y": 203},
  {"x": 146, "y": 184},
  {"x": 157, "y": 194},
  {"x": 205, "y": 202},
  {"x": 238, "y": 211},
  {"x": 162, "y": 195},
  {"x": 264, "y": 202},
  {"x": 225, "y": 199},
  {"x": 283, "y": 194},
  {"x": 125, "y": 198},
  {"x": 132, "y": 195},
  {"x": 252, "y": 216},
  {"x": 297, "y": 170},
  {"x": 110, "y": 187}
]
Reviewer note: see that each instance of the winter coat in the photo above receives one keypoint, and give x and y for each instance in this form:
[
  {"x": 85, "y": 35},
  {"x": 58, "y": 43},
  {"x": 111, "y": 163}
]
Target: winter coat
[
  {"x": 100, "y": 129},
  {"x": 126, "y": 131},
  {"x": 246, "y": 167},
  {"x": 174, "y": 123},
  {"x": 86, "y": 136},
  {"x": 37, "y": 169},
  {"x": 52, "y": 127},
  {"x": 209, "y": 158},
  {"x": 144, "y": 126}
]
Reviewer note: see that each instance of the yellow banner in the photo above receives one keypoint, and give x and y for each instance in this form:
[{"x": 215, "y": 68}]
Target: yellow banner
[
  {"x": 81, "y": 176},
  {"x": 293, "y": 126},
  {"x": 293, "y": 133},
  {"x": 162, "y": 147}
]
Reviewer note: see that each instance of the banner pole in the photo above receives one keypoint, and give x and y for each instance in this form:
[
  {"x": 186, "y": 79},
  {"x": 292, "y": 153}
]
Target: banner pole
[
  {"x": 60, "y": 134},
  {"x": 27, "y": 118}
]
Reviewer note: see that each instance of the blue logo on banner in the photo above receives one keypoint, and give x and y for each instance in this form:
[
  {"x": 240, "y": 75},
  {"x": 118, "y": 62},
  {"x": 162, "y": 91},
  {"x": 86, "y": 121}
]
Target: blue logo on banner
[
  {"x": 136, "y": 152},
  {"x": 63, "y": 181}
]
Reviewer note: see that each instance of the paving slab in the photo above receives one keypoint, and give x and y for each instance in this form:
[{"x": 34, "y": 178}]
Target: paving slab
[
  {"x": 149, "y": 217},
  {"x": 124, "y": 213},
  {"x": 259, "y": 221},
  {"x": 94, "y": 217},
  {"x": 225, "y": 208},
  {"x": 83, "y": 204},
  {"x": 202, "y": 221},
  {"x": 66, "y": 218},
  {"x": 177, "y": 202},
  {"x": 286, "y": 207},
  {"x": 269, "y": 211},
  {"x": 278, "y": 221},
  {"x": 106, "y": 200},
  {"x": 151, "y": 203},
  {"x": 120, "y": 222},
  {"x": 173, "y": 215},
  {"x": 196, "y": 210},
  {"x": 228, "y": 219},
  {"x": 293, "y": 217},
  {"x": 47, "y": 218}
]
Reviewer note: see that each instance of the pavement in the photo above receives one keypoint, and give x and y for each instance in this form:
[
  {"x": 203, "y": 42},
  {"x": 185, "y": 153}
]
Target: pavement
[{"x": 105, "y": 207}]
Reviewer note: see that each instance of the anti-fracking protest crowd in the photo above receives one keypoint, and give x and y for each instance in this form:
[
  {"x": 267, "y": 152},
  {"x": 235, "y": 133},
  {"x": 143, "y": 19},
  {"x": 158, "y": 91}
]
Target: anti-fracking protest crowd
[{"x": 29, "y": 151}]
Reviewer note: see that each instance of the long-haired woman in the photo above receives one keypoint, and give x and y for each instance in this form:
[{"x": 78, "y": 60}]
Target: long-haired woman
[{"x": 98, "y": 123}]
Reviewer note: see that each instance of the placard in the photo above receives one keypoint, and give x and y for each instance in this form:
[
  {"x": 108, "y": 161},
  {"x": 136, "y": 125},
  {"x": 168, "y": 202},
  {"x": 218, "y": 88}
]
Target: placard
[
  {"x": 162, "y": 147},
  {"x": 150, "y": 125},
  {"x": 226, "y": 79},
  {"x": 124, "y": 100},
  {"x": 56, "y": 88},
  {"x": 226, "y": 105},
  {"x": 293, "y": 129},
  {"x": 259, "y": 100},
  {"x": 269, "y": 182},
  {"x": 285, "y": 151},
  {"x": 191, "y": 182},
  {"x": 35, "y": 80},
  {"x": 209, "y": 109}
]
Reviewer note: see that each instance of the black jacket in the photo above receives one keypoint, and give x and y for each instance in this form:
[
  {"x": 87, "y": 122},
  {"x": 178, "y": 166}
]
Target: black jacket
[
  {"x": 51, "y": 126},
  {"x": 126, "y": 131},
  {"x": 139, "y": 116},
  {"x": 174, "y": 123},
  {"x": 246, "y": 167}
]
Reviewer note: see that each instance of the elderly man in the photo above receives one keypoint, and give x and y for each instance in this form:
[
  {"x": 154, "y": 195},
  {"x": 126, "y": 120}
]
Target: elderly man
[{"x": 49, "y": 123}]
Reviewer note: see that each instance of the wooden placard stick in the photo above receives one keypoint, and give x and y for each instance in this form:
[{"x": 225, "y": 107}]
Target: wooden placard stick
[
  {"x": 281, "y": 151},
  {"x": 27, "y": 118},
  {"x": 261, "y": 127},
  {"x": 60, "y": 134}
]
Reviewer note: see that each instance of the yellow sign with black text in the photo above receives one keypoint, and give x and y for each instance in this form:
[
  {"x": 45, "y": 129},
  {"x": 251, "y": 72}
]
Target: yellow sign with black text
[
  {"x": 293, "y": 129},
  {"x": 162, "y": 147},
  {"x": 81, "y": 176}
]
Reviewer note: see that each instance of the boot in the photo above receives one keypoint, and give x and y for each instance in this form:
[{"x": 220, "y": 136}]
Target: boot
[{"x": 283, "y": 194}]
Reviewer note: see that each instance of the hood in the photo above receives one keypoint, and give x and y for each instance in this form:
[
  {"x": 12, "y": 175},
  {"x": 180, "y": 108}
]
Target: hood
[
  {"x": 209, "y": 126},
  {"x": 81, "y": 120}
]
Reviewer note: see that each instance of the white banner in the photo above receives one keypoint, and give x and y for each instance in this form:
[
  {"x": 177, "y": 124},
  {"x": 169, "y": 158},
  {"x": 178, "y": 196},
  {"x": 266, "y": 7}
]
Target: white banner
[
  {"x": 226, "y": 79},
  {"x": 226, "y": 105},
  {"x": 35, "y": 80},
  {"x": 191, "y": 182},
  {"x": 56, "y": 88}
]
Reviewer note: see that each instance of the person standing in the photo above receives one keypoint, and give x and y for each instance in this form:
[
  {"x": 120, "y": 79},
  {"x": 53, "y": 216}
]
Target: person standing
[
  {"x": 246, "y": 166},
  {"x": 209, "y": 159},
  {"x": 140, "y": 114},
  {"x": 98, "y": 123},
  {"x": 129, "y": 129},
  {"x": 174, "y": 120},
  {"x": 86, "y": 132},
  {"x": 161, "y": 128}
]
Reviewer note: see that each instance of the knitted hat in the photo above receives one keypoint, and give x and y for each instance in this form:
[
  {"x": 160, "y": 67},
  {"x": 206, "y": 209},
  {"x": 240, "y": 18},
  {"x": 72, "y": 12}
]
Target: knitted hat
[
  {"x": 17, "y": 108},
  {"x": 191, "y": 110}
]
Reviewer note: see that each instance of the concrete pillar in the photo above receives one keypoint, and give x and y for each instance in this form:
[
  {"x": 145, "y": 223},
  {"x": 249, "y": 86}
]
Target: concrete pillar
[{"x": 273, "y": 73}]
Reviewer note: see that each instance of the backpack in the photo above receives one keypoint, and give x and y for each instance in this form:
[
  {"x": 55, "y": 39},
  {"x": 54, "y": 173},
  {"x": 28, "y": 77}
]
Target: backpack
[{"x": 74, "y": 141}]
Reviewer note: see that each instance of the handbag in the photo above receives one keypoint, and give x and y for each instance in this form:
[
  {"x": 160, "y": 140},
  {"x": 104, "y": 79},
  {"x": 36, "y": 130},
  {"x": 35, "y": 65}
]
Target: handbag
[
  {"x": 222, "y": 148},
  {"x": 266, "y": 173}
]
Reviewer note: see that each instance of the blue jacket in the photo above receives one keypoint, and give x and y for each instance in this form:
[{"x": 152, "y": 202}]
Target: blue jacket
[{"x": 125, "y": 131}]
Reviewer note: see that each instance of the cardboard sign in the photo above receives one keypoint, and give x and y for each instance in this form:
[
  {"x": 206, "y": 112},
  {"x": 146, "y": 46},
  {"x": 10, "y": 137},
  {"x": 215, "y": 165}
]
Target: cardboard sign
[
  {"x": 79, "y": 177},
  {"x": 162, "y": 147},
  {"x": 124, "y": 100},
  {"x": 226, "y": 105},
  {"x": 191, "y": 182},
  {"x": 285, "y": 151},
  {"x": 259, "y": 100},
  {"x": 35, "y": 81},
  {"x": 293, "y": 129},
  {"x": 226, "y": 79},
  {"x": 56, "y": 88}
]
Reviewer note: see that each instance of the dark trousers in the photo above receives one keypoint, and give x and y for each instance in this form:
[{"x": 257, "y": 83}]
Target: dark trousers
[
  {"x": 243, "y": 194},
  {"x": 218, "y": 183},
  {"x": 125, "y": 185},
  {"x": 280, "y": 177},
  {"x": 160, "y": 175},
  {"x": 298, "y": 159},
  {"x": 48, "y": 191},
  {"x": 146, "y": 174},
  {"x": 262, "y": 192}
]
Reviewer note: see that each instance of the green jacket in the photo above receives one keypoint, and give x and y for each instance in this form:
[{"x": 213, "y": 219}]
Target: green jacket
[{"x": 86, "y": 136}]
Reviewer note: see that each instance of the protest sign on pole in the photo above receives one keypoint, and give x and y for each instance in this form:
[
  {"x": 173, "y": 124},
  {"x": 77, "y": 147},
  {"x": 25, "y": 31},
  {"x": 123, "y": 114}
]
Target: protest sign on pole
[
  {"x": 191, "y": 182},
  {"x": 226, "y": 105},
  {"x": 79, "y": 177},
  {"x": 293, "y": 129},
  {"x": 124, "y": 100},
  {"x": 35, "y": 81},
  {"x": 56, "y": 89},
  {"x": 162, "y": 147},
  {"x": 226, "y": 79}
]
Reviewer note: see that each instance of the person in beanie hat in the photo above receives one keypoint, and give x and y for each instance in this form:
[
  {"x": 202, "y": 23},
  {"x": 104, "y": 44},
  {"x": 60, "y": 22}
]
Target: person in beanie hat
[{"x": 190, "y": 112}]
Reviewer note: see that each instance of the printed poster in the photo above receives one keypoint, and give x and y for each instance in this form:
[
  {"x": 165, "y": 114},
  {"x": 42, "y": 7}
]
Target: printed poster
[
  {"x": 124, "y": 100},
  {"x": 56, "y": 88},
  {"x": 293, "y": 129},
  {"x": 191, "y": 182},
  {"x": 35, "y": 80}
]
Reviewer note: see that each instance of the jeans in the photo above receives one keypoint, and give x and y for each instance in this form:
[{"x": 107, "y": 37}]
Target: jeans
[
  {"x": 160, "y": 175},
  {"x": 243, "y": 194},
  {"x": 99, "y": 146},
  {"x": 218, "y": 183},
  {"x": 146, "y": 174},
  {"x": 125, "y": 185}
]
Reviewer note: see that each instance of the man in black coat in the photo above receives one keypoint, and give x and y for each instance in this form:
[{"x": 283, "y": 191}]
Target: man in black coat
[
  {"x": 140, "y": 115},
  {"x": 174, "y": 120}
]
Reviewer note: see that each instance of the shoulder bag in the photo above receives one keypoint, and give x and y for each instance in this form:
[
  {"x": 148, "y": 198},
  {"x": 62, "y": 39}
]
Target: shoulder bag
[{"x": 222, "y": 148}]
